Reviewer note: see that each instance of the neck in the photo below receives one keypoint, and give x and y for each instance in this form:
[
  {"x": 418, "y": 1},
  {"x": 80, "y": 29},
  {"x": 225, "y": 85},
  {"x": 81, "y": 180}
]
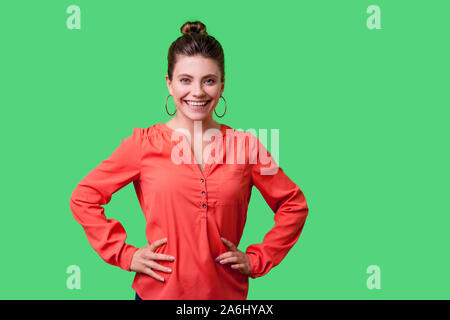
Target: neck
[{"x": 178, "y": 122}]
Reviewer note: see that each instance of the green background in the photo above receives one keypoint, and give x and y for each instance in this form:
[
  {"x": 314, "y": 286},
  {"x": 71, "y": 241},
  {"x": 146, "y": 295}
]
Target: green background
[{"x": 363, "y": 119}]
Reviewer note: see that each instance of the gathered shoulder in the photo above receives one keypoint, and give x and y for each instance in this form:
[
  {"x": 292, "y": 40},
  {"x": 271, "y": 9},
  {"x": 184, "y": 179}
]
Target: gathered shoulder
[
  {"x": 138, "y": 132},
  {"x": 141, "y": 133}
]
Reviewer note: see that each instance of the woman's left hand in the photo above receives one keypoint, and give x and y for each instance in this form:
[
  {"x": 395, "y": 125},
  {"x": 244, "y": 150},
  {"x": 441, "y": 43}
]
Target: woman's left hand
[{"x": 235, "y": 255}]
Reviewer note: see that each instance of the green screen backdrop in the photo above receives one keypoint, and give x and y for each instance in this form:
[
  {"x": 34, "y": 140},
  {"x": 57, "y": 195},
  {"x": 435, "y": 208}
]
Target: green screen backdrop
[{"x": 362, "y": 113}]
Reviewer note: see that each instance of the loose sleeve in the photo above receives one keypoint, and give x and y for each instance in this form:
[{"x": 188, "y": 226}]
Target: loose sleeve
[
  {"x": 107, "y": 236},
  {"x": 289, "y": 205}
]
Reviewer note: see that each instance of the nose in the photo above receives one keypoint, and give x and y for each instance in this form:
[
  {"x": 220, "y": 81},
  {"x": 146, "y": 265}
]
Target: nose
[{"x": 197, "y": 90}]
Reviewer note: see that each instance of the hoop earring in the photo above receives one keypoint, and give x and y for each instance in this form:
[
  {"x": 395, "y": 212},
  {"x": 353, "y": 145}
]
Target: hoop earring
[
  {"x": 225, "y": 108},
  {"x": 168, "y": 110}
]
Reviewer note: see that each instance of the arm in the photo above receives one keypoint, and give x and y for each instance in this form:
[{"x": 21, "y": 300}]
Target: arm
[
  {"x": 107, "y": 236},
  {"x": 289, "y": 205}
]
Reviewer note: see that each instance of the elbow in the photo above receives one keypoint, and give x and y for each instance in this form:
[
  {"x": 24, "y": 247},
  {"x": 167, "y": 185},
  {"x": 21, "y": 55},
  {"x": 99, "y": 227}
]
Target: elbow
[
  {"x": 74, "y": 203},
  {"x": 301, "y": 206},
  {"x": 79, "y": 204},
  {"x": 75, "y": 197}
]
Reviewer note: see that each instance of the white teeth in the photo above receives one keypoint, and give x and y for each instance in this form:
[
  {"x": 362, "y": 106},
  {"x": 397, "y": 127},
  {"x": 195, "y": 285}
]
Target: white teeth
[{"x": 196, "y": 103}]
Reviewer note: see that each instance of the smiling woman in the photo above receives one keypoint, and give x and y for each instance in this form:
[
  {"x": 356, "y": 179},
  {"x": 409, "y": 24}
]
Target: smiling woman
[{"x": 195, "y": 210}]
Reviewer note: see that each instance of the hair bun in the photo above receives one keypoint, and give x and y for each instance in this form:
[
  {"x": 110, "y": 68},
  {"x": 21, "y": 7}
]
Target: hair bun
[{"x": 193, "y": 27}]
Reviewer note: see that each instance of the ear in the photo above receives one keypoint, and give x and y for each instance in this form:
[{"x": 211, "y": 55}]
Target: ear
[
  {"x": 169, "y": 84},
  {"x": 223, "y": 86}
]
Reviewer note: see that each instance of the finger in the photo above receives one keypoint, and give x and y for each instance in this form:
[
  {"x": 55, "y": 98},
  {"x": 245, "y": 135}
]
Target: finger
[
  {"x": 153, "y": 274},
  {"x": 157, "y": 243},
  {"x": 224, "y": 255},
  {"x": 160, "y": 256},
  {"x": 228, "y": 260},
  {"x": 238, "y": 266},
  {"x": 229, "y": 243},
  {"x": 156, "y": 266}
]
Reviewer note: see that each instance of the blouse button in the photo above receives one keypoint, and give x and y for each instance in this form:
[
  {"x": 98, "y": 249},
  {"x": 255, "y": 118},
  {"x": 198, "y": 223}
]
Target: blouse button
[
  {"x": 202, "y": 180},
  {"x": 204, "y": 205},
  {"x": 203, "y": 192}
]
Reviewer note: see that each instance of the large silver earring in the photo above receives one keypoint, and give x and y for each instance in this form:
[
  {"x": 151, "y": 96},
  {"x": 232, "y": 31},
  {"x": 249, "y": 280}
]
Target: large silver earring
[
  {"x": 225, "y": 108},
  {"x": 168, "y": 110}
]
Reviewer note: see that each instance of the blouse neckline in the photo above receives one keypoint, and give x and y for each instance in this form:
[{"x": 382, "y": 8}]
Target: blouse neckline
[{"x": 164, "y": 127}]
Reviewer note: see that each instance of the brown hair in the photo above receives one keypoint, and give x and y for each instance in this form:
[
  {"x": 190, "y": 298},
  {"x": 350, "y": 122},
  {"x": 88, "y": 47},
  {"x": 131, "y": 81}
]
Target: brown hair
[{"x": 195, "y": 40}]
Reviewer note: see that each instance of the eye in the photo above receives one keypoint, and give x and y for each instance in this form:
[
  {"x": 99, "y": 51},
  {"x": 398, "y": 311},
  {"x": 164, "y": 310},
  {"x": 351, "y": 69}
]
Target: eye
[{"x": 212, "y": 80}]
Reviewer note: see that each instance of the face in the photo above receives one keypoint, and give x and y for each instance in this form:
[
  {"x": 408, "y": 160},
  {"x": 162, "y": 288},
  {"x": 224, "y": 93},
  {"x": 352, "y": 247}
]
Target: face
[{"x": 195, "y": 79}]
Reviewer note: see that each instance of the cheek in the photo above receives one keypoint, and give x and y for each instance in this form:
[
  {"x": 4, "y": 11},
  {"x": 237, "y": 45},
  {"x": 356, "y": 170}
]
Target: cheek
[
  {"x": 179, "y": 91},
  {"x": 213, "y": 93}
]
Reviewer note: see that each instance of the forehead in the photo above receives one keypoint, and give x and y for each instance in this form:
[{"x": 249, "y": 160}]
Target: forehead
[{"x": 195, "y": 66}]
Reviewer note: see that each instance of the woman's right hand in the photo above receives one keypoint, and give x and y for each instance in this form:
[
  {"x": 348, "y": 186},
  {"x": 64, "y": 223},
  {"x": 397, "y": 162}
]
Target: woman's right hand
[{"x": 144, "y": 260}]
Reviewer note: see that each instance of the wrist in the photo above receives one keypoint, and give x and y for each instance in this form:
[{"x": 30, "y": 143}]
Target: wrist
[{"x": 126, "y": 257}]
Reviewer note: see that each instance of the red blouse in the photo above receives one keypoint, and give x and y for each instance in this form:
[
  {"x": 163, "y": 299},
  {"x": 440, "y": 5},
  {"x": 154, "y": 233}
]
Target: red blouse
[{"x": 192, "y": 209}]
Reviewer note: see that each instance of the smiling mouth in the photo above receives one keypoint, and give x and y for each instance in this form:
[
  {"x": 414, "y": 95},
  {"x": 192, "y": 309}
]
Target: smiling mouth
[{"x": 197, "y": 105}]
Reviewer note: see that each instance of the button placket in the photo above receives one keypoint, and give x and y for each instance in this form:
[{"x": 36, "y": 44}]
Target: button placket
[{"x": 204, "y": 205}]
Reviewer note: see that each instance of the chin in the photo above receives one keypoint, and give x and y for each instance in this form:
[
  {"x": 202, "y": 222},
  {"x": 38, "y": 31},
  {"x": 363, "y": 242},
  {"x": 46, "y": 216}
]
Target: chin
[{"x": 197, "y": 117}]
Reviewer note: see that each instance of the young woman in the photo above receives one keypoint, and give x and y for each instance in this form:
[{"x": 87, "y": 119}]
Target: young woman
[{"x": 194, "y": 192}]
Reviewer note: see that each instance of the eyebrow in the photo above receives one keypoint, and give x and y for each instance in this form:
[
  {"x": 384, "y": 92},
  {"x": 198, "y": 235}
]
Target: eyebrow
[{"x": 188, "y": 75}]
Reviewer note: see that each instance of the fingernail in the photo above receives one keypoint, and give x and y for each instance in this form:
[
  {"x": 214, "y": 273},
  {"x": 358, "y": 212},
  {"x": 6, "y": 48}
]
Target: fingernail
[
  {"x": 162, "y": 279},
  {"x": 172, "y": 258},
  {"x": 165, "y": 239},
  {"x": 222, "y": 261},
  {"x": 170, "y": 270}
]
